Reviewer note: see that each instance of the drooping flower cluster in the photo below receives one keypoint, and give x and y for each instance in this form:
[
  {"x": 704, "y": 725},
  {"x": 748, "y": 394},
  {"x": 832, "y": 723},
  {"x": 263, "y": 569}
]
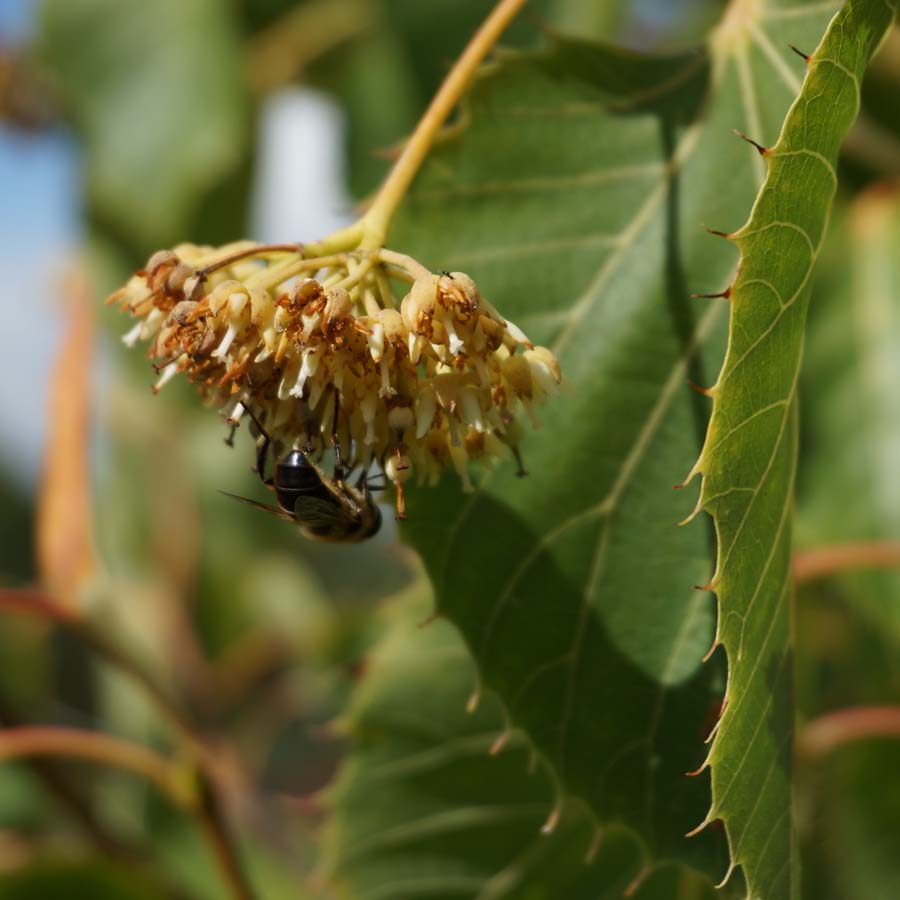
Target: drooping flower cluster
[{"x": 321, "y": 353}]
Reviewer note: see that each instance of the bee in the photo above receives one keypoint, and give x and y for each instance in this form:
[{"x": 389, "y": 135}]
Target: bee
[{"x": 325, "y": 509}]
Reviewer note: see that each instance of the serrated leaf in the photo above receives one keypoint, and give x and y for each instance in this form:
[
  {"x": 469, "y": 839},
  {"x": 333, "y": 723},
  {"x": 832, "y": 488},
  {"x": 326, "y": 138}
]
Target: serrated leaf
[
  {"x": 155, "y": 90},
  {"x": 424, "y": 808},
  {"x": 849, "y": 490},
  {"x": 575, "y": 197},
  {"x": 749, "y": 458}
]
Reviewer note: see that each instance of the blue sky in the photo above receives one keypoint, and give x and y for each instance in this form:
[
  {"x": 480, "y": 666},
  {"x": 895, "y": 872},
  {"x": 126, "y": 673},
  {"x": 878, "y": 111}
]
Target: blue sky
[{"x": 39, "y": 200}]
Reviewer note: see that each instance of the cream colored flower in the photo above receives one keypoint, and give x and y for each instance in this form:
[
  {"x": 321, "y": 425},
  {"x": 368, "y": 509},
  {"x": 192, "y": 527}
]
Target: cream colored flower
[{"x": 322, "y": 352}]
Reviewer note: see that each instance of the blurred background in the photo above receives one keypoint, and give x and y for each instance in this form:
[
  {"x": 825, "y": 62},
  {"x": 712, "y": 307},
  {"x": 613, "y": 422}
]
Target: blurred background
[{"x": 126, "y": 127}]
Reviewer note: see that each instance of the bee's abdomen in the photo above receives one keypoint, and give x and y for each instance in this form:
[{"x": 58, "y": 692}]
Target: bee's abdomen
[
  {"x": 296, "y": 473},
  {"x": 295, "y": 477}
]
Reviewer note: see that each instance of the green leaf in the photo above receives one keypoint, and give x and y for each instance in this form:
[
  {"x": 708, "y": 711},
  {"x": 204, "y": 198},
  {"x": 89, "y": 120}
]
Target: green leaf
[
  {"x": 846, "y": 805},
  {"x": 848, "y": 489},
  {"x": 575, "y": 197},
  {"x": 425, "y": 808},
  {"x": 155, "y": 90},
  {"x": 87, "y": 880},
  {"x": 856, "y": 843},
  {"x": 748, "y": 460}
]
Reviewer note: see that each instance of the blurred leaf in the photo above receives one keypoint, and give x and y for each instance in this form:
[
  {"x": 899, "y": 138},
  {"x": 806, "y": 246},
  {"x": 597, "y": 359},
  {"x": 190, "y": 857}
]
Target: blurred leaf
[
  {"x": 855, "y": 848},
  {"x": 65, "y": 539},
  {"x": 155, "y": 90},
  {"x": 424, "y": 806},
  {"x": 844, "y": 659},
  {"x": 575, "y": 197},
  {"x": 749, "y": 458},
  {"x": 304, "y": 33},
  {"x": 16, "y": 532},
  {"x": 641, "y": 25},
  {"x": 433, "y": 34},
  {"x": 24, "y": 806},
  {"x": 850, "y": 490},
  {"x": 379, "y": 97},
  {"x": 602, "y": 19},
  {"x": 94, "y": 880},
  {"x": 873, "y": 146}
]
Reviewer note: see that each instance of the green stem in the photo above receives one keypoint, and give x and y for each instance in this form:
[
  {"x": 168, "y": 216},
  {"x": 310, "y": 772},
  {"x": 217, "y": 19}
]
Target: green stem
[{"x": 377, "y": 220}]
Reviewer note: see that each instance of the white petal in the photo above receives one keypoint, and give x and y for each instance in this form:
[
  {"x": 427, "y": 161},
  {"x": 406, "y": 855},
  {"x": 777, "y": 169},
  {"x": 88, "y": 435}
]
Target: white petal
[
  {"x": 130, "y": 338},
  {"x": 227, "y": 341}
]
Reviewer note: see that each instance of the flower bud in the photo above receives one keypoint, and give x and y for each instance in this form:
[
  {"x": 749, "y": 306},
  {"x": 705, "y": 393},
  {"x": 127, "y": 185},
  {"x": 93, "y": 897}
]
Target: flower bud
[
  {"x": 398, "y": 468},
  {"x": 418, "y": 305},
  {"x": 401, "y": 418},
  {"x": 337, "y": 315},
  {"x": 517, "y": 373},
  {"x": 176, "y": 279}
]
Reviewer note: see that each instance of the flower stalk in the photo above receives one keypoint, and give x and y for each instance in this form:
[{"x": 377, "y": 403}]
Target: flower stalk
[{"x": 345, "y": 348}]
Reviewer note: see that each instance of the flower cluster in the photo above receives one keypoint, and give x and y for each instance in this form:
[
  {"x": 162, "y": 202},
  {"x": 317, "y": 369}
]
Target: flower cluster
[{"x": 324, "y": 355}]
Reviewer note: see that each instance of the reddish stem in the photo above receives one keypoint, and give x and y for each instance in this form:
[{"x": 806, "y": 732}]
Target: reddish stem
[
  {"x": 823, "y": 561},
  {"x": 92, "y": 746},
  {"x": 35, "y": 603},
  {"x": 832, "y": 730}
]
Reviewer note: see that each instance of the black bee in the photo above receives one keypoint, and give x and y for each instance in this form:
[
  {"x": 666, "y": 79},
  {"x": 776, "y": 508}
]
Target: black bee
[{"x": 325, "y": 509}]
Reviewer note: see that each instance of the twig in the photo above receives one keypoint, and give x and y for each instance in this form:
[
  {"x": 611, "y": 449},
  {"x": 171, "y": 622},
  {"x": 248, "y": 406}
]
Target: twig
[
  {"x": 75, "y": 743},
  {"x": 221, "y": 840},
  {"x": 828, "y": 732},
  {"x": 812, "y": 565},
  {"x": 58, "y": 784},
  {"x": 207, "y": 812}
]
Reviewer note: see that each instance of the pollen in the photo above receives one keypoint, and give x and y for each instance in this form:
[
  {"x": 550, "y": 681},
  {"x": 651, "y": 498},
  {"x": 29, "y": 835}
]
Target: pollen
[{"x": 366, "y": 354}]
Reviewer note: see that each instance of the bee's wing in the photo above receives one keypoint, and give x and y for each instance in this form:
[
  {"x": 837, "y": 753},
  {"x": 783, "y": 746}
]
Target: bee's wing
[
  {"x": 274, "y": 510},
  {"x": 327, "y": 519}
]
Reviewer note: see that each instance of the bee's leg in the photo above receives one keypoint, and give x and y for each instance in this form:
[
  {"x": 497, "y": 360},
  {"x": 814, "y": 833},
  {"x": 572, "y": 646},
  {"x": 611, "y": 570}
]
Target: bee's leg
[
  {"x": 521, "y": 473},
  {"x": 364, "y": 483},
  {"x": 336, "y": 438},
  {"x": 262, "y": 451}
]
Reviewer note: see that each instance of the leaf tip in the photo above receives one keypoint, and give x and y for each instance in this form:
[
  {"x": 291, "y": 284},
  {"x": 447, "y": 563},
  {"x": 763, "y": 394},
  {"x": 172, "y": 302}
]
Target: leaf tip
[
  {"x": 723, "y": 234},
  {"x": 553, "y": 819},
  {"x": 713, "y": 647},
  {"x": 727, "y": 876},
  {"x": 694, "y": 512},
  {"x": 596, "y": 840},
  {"x": 695, "y": 831},
  {"x": 499, "y": 743},
  {"x": 706, "y": 392},
  {"x": 760, "y": 149},
  {"x": 699, "y": 770},
  {"x": 695, "y": 470}
]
